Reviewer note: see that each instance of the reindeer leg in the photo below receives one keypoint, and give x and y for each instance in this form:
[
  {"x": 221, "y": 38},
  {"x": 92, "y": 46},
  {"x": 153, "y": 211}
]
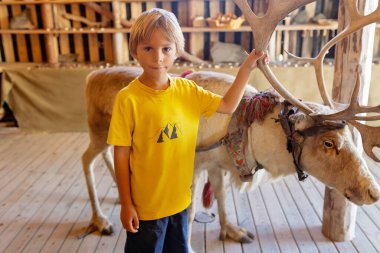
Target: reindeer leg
[
  {"x": 108, "y": 159},
  {"x": 99, "y": 220},
  {"x": 227, "y": 229},
  {"x": 192, "y": 208}
]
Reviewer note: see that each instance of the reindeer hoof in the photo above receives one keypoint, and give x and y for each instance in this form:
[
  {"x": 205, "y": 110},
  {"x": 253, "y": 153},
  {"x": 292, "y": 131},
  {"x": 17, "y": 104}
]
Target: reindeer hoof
[
  {"x": 107, "y": 231},
  {"x": 246, "y": 239},
  {"x": 251, "y": 235}
]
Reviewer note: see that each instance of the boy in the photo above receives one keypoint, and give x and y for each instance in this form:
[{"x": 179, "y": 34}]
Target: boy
[{"x": 154, "y": 128}]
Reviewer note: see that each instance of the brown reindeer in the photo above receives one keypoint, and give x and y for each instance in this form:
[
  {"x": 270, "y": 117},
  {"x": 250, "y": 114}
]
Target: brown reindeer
[{"x": 317, "y": 136}]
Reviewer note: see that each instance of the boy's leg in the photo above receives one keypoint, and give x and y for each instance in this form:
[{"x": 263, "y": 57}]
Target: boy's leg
[
  {"x": 150, "y": 237},
  {"x": 176, "y": 233}
]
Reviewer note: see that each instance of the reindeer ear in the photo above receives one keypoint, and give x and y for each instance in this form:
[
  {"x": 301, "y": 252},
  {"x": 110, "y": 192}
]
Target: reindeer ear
[
  {"x": 300, "y": 120},
  {"x": 297, "y": 117}
]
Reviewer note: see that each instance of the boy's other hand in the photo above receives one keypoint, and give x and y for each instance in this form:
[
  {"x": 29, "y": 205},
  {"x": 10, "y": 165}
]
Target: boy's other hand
[
  {"x": 252, "y": 58},
  {"x": 129, "y": 218}
]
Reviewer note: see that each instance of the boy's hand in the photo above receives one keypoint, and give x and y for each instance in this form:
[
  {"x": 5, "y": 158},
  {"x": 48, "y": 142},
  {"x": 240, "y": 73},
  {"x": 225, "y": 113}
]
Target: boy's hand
[
  {"x": 251, "y": 60},
  {"x": 129, "y": 218}
]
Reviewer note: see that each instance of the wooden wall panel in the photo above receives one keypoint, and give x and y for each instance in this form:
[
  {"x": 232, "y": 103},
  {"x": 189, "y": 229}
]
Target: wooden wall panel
[
  {"x": 150, "y": 5},
  {"x": 214, "y": 10},
  {"x": 22, "y": 50},
  {"x": 376, "y": 43},
  {"x": 78, "y": 38},
  {"x": 293, "y": 36},
  {"x": 107, "y": 39},
  {"x": 308, "y": 40},
  {"x": 92, "y": 38},
  {"x": 97, "y": 45},
  {"x": 60, "y": 23},
  {"x": 6, "y": 39},
  {"x": 197, "y": 39},
  {"x": 230, "y": 8},
  {"x": 35, "y": 38},
  {"x": 246, "y": 42},
  {"x": 182, "y": 13},
  {"x": 50, "y": 39}
]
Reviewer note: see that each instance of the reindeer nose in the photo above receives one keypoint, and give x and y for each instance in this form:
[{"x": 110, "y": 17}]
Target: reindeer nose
[{"x": 374, "y": 194}]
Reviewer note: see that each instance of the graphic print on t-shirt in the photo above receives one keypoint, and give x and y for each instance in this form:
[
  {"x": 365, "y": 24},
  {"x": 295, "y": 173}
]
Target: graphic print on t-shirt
[{"x": 169, "y": 132}]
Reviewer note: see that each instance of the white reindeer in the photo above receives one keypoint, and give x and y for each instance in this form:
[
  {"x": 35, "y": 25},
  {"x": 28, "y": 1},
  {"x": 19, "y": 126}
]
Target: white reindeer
[{"x": 321, "y": 140}]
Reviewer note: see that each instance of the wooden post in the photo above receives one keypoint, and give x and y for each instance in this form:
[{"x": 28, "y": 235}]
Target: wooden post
[
  {"x": 62, "y": 23},
  {"x": 78, "y": 38},
  {"x": 93, "y": 42},
  {"x": 6, "y": 38},
  {"x": 308, "y": 39},
  {"x": 230, "y": 8},
  {"x": 50, "y": 39},
  {"x": 196, "y": 40},
  {"x": 286, "y": 39},
  {"x": 34, "y": 38},
  {"x": 339, "y": 215},
  {"x": 51, "y": 43},
  {"x": 214, "y": 10},
  {"x": 118, "y": 36},
  {"x": 135, "y": 12},
  {"x": 20, "y": 38}
]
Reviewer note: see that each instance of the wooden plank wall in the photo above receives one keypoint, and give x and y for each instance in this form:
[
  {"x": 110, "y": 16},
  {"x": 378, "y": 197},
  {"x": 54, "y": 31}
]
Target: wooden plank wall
[
  {"x": 87, "y": 48},
  {"x": 98, "y": 47}
]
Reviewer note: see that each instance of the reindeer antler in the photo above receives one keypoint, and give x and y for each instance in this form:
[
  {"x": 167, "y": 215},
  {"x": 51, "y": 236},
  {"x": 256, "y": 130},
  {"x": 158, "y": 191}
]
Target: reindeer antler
[
  {"x": 370, "y": 138},
  {"x": 356, "y": 22},
  {"x": 262, "y": 29},
  {"x": 370, "y": 135},
  {"x": 354, "y": 108}
]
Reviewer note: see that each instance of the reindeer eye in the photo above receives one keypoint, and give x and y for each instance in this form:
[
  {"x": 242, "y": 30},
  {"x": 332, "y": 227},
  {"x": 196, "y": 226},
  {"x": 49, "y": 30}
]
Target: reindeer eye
[{"x": 329, "y": 144}]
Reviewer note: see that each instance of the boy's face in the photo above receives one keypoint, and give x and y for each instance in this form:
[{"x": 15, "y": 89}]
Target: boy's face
[{"x": 156, "y": 54}]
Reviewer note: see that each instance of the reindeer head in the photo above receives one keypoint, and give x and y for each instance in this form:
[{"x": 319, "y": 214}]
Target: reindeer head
[{"x": 358, "y": 184}]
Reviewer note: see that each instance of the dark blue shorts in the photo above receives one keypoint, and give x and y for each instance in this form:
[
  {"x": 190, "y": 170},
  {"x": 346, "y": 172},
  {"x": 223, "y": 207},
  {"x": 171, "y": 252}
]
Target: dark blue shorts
[{"x": 168, "y": 234}]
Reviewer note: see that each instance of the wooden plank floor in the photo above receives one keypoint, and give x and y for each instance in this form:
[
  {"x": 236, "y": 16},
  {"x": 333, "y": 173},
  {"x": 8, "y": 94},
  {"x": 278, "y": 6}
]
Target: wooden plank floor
[{"x": 44, "y": 206}]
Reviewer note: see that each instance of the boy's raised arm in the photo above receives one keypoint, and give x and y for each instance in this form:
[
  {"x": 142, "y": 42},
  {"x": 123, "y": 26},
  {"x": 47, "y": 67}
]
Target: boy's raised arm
[{"x": 231, "y": 99}]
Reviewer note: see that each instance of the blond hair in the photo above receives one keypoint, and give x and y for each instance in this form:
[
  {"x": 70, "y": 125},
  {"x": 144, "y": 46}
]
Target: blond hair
[{"x": 153, "y": 19}]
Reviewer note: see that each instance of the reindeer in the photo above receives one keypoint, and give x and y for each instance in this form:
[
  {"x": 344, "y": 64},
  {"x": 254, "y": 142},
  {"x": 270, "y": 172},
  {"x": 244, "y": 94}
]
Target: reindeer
[{"x": 294, "y": 136}]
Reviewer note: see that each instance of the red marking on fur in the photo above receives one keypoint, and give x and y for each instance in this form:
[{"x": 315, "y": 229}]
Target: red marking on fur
[
  {"x": 186, "y": 73},
  {"x": 256, "y": 107},
  {"x": 207, "y": 195}
]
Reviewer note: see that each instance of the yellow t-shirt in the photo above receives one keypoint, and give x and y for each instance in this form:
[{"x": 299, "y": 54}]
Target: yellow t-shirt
[{"x": 161, "y": 127}]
